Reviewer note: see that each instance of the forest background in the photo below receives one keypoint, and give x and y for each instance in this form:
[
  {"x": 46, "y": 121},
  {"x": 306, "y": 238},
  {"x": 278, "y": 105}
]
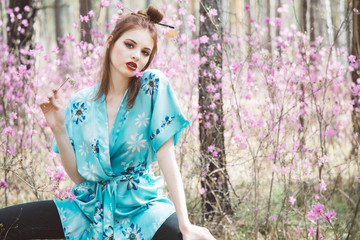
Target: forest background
[{"x": 271, "y": 89}]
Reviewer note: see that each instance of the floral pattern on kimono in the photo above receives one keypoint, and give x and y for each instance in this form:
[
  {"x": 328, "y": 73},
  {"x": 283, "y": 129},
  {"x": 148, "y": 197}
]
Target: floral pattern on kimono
[{"x": 121, "y": 198}]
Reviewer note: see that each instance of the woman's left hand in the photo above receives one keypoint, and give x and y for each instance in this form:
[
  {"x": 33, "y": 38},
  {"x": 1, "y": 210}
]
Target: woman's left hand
[{"x": 193, "y": 232}]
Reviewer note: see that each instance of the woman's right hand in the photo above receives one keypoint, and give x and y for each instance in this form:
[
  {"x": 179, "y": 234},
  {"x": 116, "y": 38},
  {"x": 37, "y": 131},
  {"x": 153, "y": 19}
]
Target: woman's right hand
[{"x": 53, "y": 112}]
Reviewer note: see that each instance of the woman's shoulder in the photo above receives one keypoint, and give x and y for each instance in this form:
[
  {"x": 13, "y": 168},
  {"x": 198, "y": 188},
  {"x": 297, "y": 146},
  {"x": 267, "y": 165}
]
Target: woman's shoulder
[{"x": 155, "y": 74}]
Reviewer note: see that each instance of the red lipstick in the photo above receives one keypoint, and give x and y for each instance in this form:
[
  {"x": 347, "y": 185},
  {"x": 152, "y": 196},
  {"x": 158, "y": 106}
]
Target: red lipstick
[{"x": 131, "y": 65}]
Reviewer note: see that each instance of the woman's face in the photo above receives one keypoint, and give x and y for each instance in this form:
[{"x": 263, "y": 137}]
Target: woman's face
[{"x": 131, "y": 51}]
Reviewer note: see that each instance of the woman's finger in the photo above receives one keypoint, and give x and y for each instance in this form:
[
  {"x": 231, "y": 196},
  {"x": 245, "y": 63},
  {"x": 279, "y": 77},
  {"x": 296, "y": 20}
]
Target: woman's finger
[
  {"x": 55, "y": 103},
  {"x": 55, "y": 93}
]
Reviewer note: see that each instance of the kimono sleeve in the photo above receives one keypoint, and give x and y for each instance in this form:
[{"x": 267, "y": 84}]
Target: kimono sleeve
[
  {"x": 167, "y": 118},
  {"x": 67, "y": 120}
]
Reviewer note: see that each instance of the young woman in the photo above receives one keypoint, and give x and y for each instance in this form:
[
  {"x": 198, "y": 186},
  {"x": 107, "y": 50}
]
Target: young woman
[{"x": 108, "y": 136}]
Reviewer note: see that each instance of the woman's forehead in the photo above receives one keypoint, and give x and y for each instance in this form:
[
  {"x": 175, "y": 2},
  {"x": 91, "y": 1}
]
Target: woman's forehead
[{"x": 140, "y": 36}]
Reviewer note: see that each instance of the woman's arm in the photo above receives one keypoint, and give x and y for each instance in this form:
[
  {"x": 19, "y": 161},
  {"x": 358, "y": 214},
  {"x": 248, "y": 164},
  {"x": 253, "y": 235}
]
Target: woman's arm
[
  {"x": 55, "y": 119},
  {"x": 67, "y": 155},
  {"x": 167, "y": 162}
]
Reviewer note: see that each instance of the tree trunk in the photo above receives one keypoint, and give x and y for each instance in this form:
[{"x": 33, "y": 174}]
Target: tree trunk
[
  {"x": 268, "y": 14},
  {"x": 85, "y": 7},
  {"x": 20, "y": 36},
  {"x": 59, "y": 21},
  {"x": 313, "y": 5},
  {"x": 215, "y": 200},
  {"x": 303, "y": 10},
  {"x": 277, "y": 14},
  {"x": 355, "y": 50}
]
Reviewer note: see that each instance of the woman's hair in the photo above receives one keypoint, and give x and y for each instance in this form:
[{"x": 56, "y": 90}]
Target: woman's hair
[{"x": 145, "y": 19}]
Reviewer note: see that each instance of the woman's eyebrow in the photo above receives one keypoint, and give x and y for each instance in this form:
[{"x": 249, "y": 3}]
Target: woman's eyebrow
[{"x": 136, "y": 43}]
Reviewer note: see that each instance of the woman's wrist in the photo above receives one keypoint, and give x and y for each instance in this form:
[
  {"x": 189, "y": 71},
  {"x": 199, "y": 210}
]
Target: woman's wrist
[
  {"x": 58, "y": 129},
  {"x": 184, "y": 224}
]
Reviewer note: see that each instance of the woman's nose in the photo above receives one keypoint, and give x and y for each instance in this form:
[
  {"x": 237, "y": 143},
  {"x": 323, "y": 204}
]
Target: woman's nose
[{"x": 136, "y": 56}]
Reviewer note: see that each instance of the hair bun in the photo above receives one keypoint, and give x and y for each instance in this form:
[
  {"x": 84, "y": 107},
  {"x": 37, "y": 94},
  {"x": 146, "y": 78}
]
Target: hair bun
[{"x": 154, "y": 15}]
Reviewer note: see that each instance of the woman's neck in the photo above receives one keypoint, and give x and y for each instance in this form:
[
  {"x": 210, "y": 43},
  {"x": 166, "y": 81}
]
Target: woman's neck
[{"x": 118, "y": 83}]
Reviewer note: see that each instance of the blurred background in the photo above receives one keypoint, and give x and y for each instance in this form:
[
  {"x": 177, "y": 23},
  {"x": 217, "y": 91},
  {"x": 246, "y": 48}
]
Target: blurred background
[{"x": 271, "y": 89}]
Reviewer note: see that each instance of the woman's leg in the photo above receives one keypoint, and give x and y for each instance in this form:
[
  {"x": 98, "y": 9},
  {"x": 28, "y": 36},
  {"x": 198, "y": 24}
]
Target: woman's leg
[
  {"x": 37, "y": 220},
  {"x": 169, "y": 229}
]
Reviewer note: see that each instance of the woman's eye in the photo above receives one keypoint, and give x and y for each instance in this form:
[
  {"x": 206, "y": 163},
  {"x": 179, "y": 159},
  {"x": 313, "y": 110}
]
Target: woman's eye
[
  {"x": 129, "y": 45},
  {"x": 146, "y": 53}
]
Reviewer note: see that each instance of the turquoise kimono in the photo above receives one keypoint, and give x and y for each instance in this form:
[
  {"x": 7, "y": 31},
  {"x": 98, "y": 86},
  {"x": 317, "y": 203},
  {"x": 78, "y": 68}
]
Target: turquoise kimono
[{"x": 121, "y": 197}]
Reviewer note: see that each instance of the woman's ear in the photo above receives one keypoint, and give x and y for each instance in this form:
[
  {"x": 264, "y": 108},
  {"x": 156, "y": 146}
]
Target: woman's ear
[{"x": 108, "y": 40}]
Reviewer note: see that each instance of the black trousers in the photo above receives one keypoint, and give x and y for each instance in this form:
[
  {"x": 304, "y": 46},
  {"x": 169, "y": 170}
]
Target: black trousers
[{"x": 40, "y": 220}]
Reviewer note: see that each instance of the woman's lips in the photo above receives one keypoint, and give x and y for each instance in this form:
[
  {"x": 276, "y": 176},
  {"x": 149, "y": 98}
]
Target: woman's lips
[{"x": 131, "y": 65}]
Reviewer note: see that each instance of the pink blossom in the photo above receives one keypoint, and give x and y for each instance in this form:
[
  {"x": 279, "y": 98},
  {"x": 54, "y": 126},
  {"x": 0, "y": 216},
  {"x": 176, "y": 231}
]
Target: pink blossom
[
  {"x": 16, "y": 9},
  {"x": 138, "y": 73},
  {"x": 62, "y": 41},
  {"x": 211, "y": 148},
  {"x": 212, "y": 12},
  {"x": 202, "y": 18},
  {"x": 104, "y": 3},
  {"x": 8, "y": 130},
  {"x": 358, "y": 176},
  {"x": 19, "y": 16},
  {"x": 215, "y": 153},
  {"x": 27, "y": 8},
  {"x": 91, "y": 13},
  {"x": 212, "y": 106},
  {"x": 273, "y": 217},
  {"x": 356, "y": 11},
  {"x": 59, "y": 176},
  {"x": 182, "y": 11},
  {"x": 216, "y": 96},
  {"x": 329, "y": 216},
  {"x": 243, "y": 146},
  {"x": 204, "y": 39},
  {"x": 255, "y": 209},
  {"x": 352, "y": 58},
  {"x": 292, "y": 200},
  {"x": 84, "y": 18},
  {"x": 13, "y": 115},
  {"x": 25, "y": 22},
  {"x": 356, "y": 90},
  {"x": 202, "y": 191},
  {"x": 75, "y": 25},
  {"x": 211, "y": 88},
  {"x": 312, "y": 231},
  {"x": 119, "y": 5},
  {"x": 274, "y": 168},
  {"x": 278, "y": 22},
  {"x": 215, "y": 36},
  {"x": 207, "y": 125},
  {"x": 247, "y": 8},
  {"x": 235, "y": 67},
  {"x": 298, "y": 231},
  {"x": 3, "y": 184},
  {"x": 322, "y": 185}
]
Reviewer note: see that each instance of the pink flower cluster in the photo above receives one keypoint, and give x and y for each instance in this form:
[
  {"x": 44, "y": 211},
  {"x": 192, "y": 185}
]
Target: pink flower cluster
[
  {"x": 318, "y": 211},
  {"x": 3, "y": 184}
]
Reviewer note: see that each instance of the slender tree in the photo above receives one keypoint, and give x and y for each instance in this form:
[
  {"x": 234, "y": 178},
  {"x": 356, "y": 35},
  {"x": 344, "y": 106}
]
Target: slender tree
[
  {"x": 59, "y": 21},
  {"x": 85, "y": 7},
  {"x": 20, "y": 34},
  {"x": 268, "y": 14},
  {"x": 215, "y": 200},
  {"x": 355, "y": 50},
  {"x": 313, "y": 5}
]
